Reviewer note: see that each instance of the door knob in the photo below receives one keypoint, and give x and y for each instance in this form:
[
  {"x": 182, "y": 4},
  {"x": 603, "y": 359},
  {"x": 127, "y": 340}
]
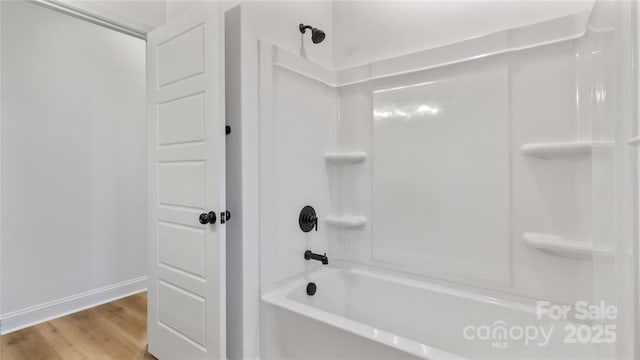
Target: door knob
[{"x": 209, "y": 217}]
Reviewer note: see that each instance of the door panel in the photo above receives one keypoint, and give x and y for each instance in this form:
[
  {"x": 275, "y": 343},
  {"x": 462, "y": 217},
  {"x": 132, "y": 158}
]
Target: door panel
[
  {"x": 190, "y": 320},
  {"x": 185, "y": 93},
  {"x": 182, "y": 247},
  {"x": 181, "y": 122},
  {"x": 181, "y": 56},
  {"x": 181, "y": 183}
]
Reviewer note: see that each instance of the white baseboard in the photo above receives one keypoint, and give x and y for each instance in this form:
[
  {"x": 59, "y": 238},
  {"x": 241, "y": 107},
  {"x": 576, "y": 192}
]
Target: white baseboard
[{"x": 54, "y": 309}]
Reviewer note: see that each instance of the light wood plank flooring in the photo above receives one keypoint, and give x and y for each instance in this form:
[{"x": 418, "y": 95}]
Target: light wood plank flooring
[{"x": 116, "y": 330}]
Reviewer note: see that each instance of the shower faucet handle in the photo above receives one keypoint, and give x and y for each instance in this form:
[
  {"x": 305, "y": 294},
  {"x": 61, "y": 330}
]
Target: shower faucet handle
[
  {"x": 308, "y": 219},
  {"x": 311, "y": 219}
]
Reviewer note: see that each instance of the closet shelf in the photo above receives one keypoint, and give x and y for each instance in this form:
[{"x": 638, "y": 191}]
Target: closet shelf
[
  {"x": 557, "y": 149},
  {"x": 346, "y": 222},
  {"x": 558, "y": 245},
  {"x": 344, "y": 158}
]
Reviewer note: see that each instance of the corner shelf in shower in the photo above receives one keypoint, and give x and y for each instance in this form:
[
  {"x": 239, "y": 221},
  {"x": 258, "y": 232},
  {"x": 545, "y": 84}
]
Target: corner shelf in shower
[
  {"x": 635, "y": 141},
  {"x": 557, "y": 149},
  {"x": 558, "y": 245},
  {"x": 345, "y": 158},
  {"x": 346, "y": 221}
]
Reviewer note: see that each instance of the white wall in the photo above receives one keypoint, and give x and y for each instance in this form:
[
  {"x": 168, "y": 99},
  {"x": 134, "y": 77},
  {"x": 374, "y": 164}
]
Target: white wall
[
  {"x": 174, "y": 8},
  {"x": 234, "y": 140},
  {"x": 277, "y": 22},
  {"x": 359, "y": 32},
  {"x": 366, "y": 31},
  {"x": 73, "y": 164},
  {"x": 297, "y": 126},
  {"x": 544, "y": 196}
]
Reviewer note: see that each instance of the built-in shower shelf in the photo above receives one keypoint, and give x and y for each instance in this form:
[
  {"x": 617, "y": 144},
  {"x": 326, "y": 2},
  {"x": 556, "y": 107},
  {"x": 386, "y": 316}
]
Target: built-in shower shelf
[
  {"x": 557, "y": 149},
  {"x": 345, "y": 158},
  {"x": 561, "y": 246},
  {"x": 346, "y": 222},
  {"x": 635, "y": 141}
]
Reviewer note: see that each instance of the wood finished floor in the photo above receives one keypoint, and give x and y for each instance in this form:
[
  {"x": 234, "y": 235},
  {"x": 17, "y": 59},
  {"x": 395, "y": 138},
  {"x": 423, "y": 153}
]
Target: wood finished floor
[{"x": 116, "y": 330}]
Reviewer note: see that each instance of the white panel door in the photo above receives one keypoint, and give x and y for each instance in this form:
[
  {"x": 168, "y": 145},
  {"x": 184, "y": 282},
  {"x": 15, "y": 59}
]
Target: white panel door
[{"x": 185, "y": 95}]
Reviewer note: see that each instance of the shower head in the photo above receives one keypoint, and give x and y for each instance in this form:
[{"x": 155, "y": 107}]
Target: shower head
[{"x": 317, "y": 35}]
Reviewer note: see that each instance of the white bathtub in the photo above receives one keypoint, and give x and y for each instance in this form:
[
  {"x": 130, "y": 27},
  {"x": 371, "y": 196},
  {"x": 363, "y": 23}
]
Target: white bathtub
[{"x": 359, "y": 313}]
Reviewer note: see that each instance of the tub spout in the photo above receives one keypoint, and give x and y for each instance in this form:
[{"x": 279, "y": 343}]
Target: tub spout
[{"x": 308, "y": 255}]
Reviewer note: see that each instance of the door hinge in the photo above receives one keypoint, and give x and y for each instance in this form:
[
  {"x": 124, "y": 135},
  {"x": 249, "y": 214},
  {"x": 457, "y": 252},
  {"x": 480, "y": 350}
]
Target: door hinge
[{"x": 225, "y": 216}]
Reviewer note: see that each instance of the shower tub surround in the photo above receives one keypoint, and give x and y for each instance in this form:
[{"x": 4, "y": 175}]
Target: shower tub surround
[{"x": 431, "y": 171}]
